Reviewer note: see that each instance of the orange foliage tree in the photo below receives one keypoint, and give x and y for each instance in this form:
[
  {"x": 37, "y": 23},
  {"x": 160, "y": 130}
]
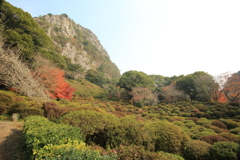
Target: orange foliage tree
[
  {"x": 222, "y": 98},
  {"x": 55, "y": 83},
  {"x": 232, "y": 88}
]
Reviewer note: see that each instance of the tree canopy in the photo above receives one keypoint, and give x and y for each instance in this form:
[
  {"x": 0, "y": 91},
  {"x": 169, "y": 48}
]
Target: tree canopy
[
  {"x": 132, "y": 79},
  {"x": 187, "y": 85}
]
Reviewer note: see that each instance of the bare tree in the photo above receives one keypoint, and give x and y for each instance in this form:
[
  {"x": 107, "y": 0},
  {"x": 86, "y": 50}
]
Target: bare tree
[
  {"x": 143, "y": 95},
  {"x": 16, "y": 75},
  {"x": 171, "y": 94}
]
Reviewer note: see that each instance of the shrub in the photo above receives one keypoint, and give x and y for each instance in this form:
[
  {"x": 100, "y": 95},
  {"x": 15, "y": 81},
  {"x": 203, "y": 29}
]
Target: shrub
[
  {"x": 139, "y": 153},
  {"x": 219, "y": 124},
  {"x": 196, "y": 149},
  {"x": 231, "y": 113},
  {"x": 230, "y": 137},
  {"x": 190, "y": 124},
  {"x": 166, "y": 136},
  {"x": 230, "y": 123},
  {"x": 218, "y": 130},
  {"x": 224, "y": 151},
  {"x": 211, "y": 139},
  {"x": 194, "y": 119},
  {"x": 203, "y": 121},
  {"x": 25, "y": 108},
  {"x": 6, "y": 98},
  {"x": 52, "y": 110},
  {"x": 70, "y": 151},
  {"x": 30, "y": 111},
  {"x": 203, "y": 133},
  {"x": 94, "y": 125},
  {"x": 127, "y": 131},
  {"x": 178, "y": 123},
  {"x": 2, "y": 109},
  {"x": 218, "y": 114},
  {"x": 235, "y": 130},
  {"x": 40, "y": 132}
]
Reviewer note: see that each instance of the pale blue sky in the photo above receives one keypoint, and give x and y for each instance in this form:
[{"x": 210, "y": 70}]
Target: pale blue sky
[{"x": 165, "y": 37}]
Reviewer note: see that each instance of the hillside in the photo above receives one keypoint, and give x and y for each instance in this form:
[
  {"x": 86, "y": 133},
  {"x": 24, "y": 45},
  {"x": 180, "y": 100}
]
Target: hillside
[
  {"x": 57, "y": 39},
  {"x": 59, "y": 82},
  {"x": 77, "y": 43}
]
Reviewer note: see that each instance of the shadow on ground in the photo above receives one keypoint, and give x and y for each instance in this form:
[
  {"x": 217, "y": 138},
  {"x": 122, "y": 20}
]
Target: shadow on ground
[{"x": 12, "y": 148}]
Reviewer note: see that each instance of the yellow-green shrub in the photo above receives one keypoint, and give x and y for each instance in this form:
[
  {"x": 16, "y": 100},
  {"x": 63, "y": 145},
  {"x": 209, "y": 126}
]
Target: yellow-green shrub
[
  {"x": 224, "y": 151},
  {"x": 94, "y": 125},
  {"x": 39, "y": 132},
  {"x": 166, "y": 136},
  {"x": 74, "y": 150},
  {"x": 139, "y": 153},
  {"x": 7, "y": 98},
  {"x": 196, "y": 149}
]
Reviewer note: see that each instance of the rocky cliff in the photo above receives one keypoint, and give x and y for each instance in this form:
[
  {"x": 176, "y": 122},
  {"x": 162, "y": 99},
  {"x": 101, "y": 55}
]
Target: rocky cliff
[{"x": 77, "y": 43}]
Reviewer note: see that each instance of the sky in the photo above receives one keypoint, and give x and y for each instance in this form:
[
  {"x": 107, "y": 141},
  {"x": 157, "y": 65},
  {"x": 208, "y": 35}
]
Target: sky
[{"x": 162, "y": 37}]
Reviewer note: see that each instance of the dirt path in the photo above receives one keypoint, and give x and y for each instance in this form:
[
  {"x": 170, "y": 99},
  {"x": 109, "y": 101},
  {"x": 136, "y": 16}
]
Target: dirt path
[{"x": 11, "y": 140}]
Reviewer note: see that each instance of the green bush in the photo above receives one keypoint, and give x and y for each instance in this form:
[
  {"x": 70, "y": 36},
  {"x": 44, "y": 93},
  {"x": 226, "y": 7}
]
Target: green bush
[
  {"x": 139, "y": 153},
  {"x": 195, "y": 119},
  {"x": 7, "y": 98},
  {"x": 47, "y": 140},
  {"x": 127, "y": 131},
  {"x": 224, "y": 151},
  {"x": 203, "y": 121},
  {"x": 25, "y": 108},
  {"x": 203, "y": 133},
  {"x": 95, "y": 126},
  {"x": 236, "y": 130},
  {"x": 39, "y": 132},
  {"x": 30, "y": 111},
  {"x": 74, "y": 150},
  {"x": 230, "y": 123},
  {"x": 166, "y": 136},
  {"x": 190, "y": 124},
  {"x": 196, "y": 149}
]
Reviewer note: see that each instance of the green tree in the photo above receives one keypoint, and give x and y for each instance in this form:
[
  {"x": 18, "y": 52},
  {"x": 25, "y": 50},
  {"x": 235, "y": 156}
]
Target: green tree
[
  {"x": 187, "y": 85},
  {"x": 95, "y": 77},
  {"x": 20, "y": 30},
  {"x": 207, "y": 87},
  {"x": 132, "y": 79}
]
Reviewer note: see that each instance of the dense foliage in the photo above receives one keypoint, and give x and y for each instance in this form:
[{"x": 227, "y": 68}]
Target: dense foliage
[
  {"x": 92, "y": 115},
  {"x": 47, "y": 140}
]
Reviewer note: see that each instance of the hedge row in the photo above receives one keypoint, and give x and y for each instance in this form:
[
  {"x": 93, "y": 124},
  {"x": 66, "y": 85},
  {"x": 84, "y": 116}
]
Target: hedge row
[{"x": 47, "y": 140}]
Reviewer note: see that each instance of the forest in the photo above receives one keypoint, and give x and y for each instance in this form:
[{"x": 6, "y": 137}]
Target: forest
[{"x": 96, "y": 116}]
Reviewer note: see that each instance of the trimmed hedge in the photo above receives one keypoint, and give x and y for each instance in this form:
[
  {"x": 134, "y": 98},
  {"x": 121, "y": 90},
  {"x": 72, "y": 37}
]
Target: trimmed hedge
[
  {"x": 167, "y": 137},
  {"x": 48, "y": 140},
  {"x": 196, "y": 149},
  {"x": 224, "y": 151}
]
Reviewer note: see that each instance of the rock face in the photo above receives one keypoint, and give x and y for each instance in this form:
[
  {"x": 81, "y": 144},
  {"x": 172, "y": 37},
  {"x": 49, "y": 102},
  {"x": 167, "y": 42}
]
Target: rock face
[{"x": 78, "y": 43}]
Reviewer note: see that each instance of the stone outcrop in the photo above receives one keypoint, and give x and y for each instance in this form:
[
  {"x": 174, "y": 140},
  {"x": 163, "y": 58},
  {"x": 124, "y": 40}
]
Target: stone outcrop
[{"x": 77, "y": 43}]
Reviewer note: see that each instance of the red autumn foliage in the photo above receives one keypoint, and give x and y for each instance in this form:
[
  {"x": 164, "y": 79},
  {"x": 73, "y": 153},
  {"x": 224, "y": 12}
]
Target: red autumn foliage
[
  {"x": 55, "y": 83},
  {"x": 222, "y": 98}
]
